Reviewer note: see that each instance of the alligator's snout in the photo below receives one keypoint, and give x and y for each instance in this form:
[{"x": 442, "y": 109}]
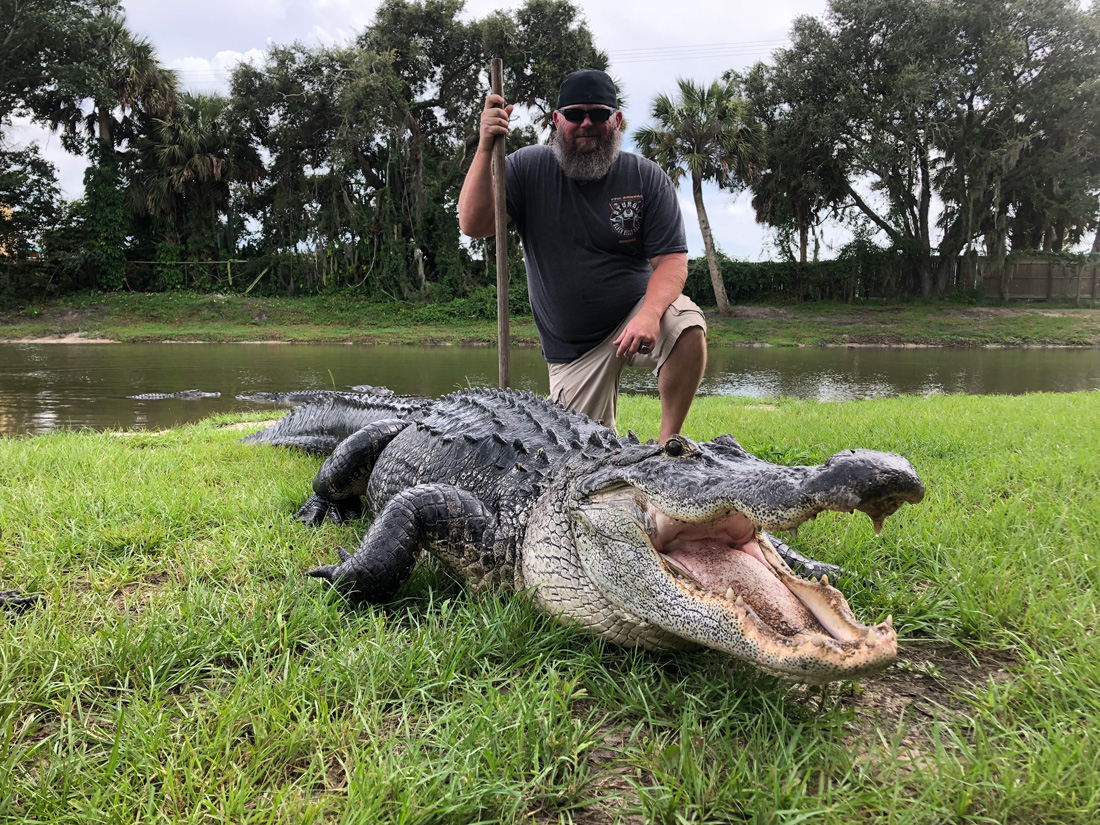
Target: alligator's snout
[{"x": 870, "y": 481}]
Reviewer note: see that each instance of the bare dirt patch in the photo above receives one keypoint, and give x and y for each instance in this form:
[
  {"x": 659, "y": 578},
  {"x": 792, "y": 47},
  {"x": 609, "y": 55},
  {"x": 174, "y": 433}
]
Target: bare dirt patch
[
  {"x": 928, "y": 686},
  {"x": 610, "y": 792},
  {"x": 980, "y": 313},
  {"x": 134, "y": 597},
  {"x": 750, "y": 313}
]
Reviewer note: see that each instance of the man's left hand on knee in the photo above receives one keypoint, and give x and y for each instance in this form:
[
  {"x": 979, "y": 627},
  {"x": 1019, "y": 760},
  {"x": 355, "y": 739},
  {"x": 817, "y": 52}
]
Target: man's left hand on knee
[{"x": 640, "y": 335}]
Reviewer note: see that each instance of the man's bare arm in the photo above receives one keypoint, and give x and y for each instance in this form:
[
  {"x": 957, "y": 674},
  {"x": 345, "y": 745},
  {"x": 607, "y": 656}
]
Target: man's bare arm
[
  {"x": 476, "y": 213},
  {"x": 665, "y": 285}
]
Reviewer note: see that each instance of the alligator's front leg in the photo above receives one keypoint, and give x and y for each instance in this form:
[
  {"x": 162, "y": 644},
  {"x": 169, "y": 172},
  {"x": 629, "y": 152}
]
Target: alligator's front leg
[
  {"x": 342, "y": 480},
  {"x": 447, "y": 520}
]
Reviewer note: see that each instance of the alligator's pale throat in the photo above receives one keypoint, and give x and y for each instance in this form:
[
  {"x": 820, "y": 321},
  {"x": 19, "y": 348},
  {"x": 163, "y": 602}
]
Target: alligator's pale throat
[{"x": 642, "y": 544}]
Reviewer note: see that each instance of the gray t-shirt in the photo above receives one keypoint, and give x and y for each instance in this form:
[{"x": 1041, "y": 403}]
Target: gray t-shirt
[{"x": 587, "y": 244}]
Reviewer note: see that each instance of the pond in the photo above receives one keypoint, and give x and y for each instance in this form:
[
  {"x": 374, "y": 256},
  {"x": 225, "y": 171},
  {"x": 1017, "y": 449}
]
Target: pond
[{"x": 49, "y": 386}]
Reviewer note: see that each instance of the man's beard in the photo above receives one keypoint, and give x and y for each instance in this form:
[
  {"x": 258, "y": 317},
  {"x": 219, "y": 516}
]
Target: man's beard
[{"x": 586, "y": 166}]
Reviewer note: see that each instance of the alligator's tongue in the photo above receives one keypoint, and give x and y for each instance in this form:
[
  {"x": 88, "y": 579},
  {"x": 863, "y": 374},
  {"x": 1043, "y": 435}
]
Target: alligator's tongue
[{"x": 721, "y": 568}]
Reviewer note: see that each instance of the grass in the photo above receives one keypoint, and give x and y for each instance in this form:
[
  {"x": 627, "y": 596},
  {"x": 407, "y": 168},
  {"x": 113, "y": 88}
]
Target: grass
[
  {"x": 346, "y": 316},
  {"x": 184, "y": 669}
]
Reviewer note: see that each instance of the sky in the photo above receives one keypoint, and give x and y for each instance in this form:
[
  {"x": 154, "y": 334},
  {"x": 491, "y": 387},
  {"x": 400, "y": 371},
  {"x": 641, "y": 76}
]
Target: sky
[{"x": 651, "y": 43}]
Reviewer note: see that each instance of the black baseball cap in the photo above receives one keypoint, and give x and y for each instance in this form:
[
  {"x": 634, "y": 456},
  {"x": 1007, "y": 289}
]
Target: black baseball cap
[{"x": 588, "y": 86}]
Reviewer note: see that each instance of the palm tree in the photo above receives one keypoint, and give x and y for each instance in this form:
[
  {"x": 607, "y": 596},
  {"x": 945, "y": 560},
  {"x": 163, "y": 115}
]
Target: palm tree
[
  {"x": 186, "y": 163},
  {"x": 707, "y": 133},
  {"x": 128, "y": 82}
]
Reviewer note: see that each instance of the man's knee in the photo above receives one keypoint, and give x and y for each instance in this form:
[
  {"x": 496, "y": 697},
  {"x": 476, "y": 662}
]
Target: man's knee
[
  {"x": 691, "y": 347},
  {"x": 693, "y": 337}
]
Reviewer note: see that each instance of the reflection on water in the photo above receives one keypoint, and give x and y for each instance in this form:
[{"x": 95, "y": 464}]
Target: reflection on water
[
  {"x": 44, "y": 387},
  {"x": 845, "y": 374}
]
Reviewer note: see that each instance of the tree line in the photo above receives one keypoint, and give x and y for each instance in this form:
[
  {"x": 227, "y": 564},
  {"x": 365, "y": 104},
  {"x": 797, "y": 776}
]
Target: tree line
[{"x": 336, "y": 167}]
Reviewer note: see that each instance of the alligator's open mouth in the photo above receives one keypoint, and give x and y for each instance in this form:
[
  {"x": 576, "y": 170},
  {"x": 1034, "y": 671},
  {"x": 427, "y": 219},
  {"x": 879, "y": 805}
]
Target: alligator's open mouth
[
  {"x": 724, "y": 568},
  {"x": 732, "y": 559}
]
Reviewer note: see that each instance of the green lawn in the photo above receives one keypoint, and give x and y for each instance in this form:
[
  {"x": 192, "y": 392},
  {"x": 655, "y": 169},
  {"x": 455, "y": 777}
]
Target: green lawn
[{"x": 184, "y": 669}]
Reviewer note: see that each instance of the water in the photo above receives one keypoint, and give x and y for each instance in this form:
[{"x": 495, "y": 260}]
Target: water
[{"x": 44, "y": 387}]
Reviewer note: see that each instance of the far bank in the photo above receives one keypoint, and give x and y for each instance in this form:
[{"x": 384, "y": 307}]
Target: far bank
[{"x": 346, "y": 318}]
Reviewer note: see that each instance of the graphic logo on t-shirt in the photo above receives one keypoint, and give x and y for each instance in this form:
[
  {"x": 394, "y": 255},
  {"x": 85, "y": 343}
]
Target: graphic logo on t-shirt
[{"x": 626, "y": 215}]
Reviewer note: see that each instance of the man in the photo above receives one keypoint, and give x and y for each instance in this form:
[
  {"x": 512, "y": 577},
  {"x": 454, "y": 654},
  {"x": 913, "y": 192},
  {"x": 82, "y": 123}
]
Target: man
[{"x": 605, "y": 251}]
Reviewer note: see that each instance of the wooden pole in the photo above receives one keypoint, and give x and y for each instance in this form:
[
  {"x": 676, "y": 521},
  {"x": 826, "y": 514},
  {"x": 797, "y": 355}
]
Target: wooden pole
[{"x": 500, "y": 211}]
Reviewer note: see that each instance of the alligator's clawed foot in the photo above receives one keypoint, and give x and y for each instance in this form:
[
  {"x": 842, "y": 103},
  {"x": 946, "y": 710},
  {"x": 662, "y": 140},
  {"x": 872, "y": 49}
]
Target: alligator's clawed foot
[
  {"x": 12, "y": 602},
  {"x": 330, "y": 572},
  {"x": 318, "y": 510},
  {"x": 325, "y": 571},
  {"x": 337, "y": 576},
  {"x": 802, "y": 566}
]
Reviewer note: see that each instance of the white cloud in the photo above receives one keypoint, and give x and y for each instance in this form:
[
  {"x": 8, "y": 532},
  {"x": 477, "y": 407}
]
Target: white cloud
[
  {"x": 200, "y": 74},
  {"x": 70, "y": 169},
  {"x": 227, "y": 60}
]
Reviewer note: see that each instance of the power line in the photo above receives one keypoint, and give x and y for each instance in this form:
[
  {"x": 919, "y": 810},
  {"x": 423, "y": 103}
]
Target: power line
[
  {"x": 640, "y": 54},
  {"x": 696, "y": 52},
  {"x": 647, "y": 50},
  {"x": 693, "y": 56}
]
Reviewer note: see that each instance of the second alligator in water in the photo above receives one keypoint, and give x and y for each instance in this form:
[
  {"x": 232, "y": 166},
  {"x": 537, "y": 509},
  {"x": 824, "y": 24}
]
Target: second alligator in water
[
  {"x": 188, "y": 395},
  {"x": 647, "y": 545}
]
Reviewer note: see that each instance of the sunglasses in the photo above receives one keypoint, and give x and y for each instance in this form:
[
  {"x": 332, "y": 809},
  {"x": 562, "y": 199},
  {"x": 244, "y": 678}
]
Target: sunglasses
[{"x": 578, "y": 115}]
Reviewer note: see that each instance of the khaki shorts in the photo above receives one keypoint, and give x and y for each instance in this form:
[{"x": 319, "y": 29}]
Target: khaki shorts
[{"x": 591, "y": 383}]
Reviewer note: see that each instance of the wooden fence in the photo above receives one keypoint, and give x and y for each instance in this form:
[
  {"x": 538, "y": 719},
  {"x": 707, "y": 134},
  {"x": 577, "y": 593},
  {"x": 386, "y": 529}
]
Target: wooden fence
[{"x": 1041, "y": 280}]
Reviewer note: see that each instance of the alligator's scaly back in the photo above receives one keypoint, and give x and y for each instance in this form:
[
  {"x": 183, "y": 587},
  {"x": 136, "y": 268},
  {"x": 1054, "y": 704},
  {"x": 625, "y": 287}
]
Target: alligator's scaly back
[{"x": 486, "y": 442}]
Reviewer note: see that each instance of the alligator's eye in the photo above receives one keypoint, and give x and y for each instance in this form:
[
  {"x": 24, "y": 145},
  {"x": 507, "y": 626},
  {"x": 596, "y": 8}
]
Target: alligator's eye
[{"x": 675, "y": 447}]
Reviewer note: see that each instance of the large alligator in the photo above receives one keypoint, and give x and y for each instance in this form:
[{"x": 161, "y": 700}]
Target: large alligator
[{"x": 642, "y": 544}]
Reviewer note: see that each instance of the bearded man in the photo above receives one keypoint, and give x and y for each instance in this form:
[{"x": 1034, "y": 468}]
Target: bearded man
[{"x": 605, "y": 252}]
